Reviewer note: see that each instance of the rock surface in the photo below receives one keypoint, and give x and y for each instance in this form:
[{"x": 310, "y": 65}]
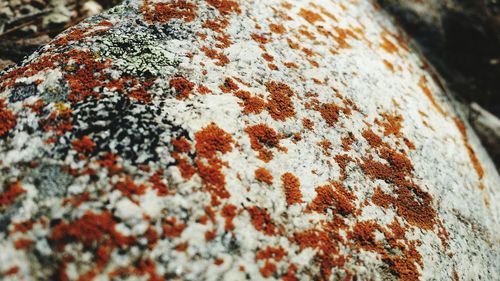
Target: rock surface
[{"x": 208, "y": 140}]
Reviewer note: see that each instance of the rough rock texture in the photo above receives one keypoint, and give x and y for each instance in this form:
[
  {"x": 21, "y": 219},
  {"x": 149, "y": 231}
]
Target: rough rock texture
[{"x": 208, "y": 140}]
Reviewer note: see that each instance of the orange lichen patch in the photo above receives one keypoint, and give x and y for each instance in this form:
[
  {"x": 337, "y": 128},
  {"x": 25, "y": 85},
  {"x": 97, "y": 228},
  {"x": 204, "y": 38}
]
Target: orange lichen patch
[
  {"x": 23, "y": 226},
  {"x": 276, "y": 253},
  {"x": 310, "y": 16},
  {"x": 96, "y": 231},
  {"x": 389, "y": 65},
  {"x": 334, "y": 197},
  {"x": 280, "y": 104},
  {"x": 291, "y": 65},
  {"x": 291, "y": 186},
  {"x": 83, "y": 145},
  {"x": 11, "y": 193},
  {"x": 423, "y": 85},
  {"x": 263, "y": 175},
  {"x": 225, "y": 7},
  {"x": 221, "y": 59},
  {"x": 388, "y": 45},
  {"x": 472, "y": 155},
  {"x": 210, "y": 235},
  {"x": 211, "y": 140},
  {"x": 171, "y": 228},
  {"x": 164, "y": 12},
  {"x": 267, "y": 57},
  {"x": 327, "y": 242},
  {"x": 158, "y": 183},
  {"x": 182, "y": 87},
  {"x": 268, "y": 269},
  {"x": 182, "y": 144},
  {"x": 86, "y": 73},
  {"x": 259, "y": 38},
  {"x": 139, "y": 268},
  {"x": 229, "y": 86},
  {"x": 11, "y": 271},
  {"x": 262, "y": 138},
  {"x": 23, "y": 243},
  {"x": 342, "y": 160},
  {"x": 277, "y": 28},
  {"x": 412, "y": 203},
  {"x": 308, "y": 124},
  {"x": 325, "y": 145},
  {"x": 373, "y": 139},
  {"x": 216, "y": 25},
  {"x": 251, "y": 104},
  {"x": 391, "y": 124},
  {"x": 330, "y": 113},
  {"x": 213, "y": 178},
  {"x": 77, "y": 34},
  {"x": 224, "y": 41},
  {"x": 403, "y": 264},
  {"x": 7, "y": 119},
  {"x": 261, "y": 220},
  {"x": 347, "y": 141},
  {"x": 382, "y": 199},
  {"x": 342, "y": 36},
  {"x": 129, "y": 188},
  {"x": 229, "y": 213}
]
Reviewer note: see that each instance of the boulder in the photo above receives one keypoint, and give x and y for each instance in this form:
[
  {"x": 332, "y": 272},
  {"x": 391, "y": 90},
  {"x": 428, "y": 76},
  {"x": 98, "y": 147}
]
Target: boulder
[{"x": 240, "y": 140}]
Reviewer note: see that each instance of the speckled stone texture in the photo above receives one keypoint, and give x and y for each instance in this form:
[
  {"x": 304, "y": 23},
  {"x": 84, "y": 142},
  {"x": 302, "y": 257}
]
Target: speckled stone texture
[{"x": 239, "y": 140}]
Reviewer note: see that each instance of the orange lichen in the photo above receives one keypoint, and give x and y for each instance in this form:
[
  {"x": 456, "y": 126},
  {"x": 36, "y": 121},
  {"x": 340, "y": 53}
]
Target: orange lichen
[
  {"x": 83, "y": 145},
  {"x": 310, "y": 16},
  {"x": 229, "y": 85},
  {"x": 276, "y": 253},
  {"x": 211, "y": 140},
  {"x": 263, "y": 175},
  {"x": 261, "y": 220},
  {"x": 164, "y": 12},
  {"x": 391, "y": 124},
  {"x": 291, "y": 186},
  {"x": 171, "y": 228},
  {"x": 229, "y": 213},
  {"x": 268, "y": 269},
  {"x": 262, "y": 138},
  {"x": 254, "y": 105},
  {"x": 182, "y": 144},
  {"x": 95, "y": 231},
  {"x": 158, "y": 183},
  {"x": 280, "y": 104},
  {"x": 308, "y": 124},
  {"x": 330, "y": 113},
  {"x": 389, "y": 65},
  {"x": 387, "y": 45},
  {"x": 11, "y": 193},
  {"x": 23, "y": 243},
  {"x": 225, "y": 7},
  {"x": 129, "y": 188},
  {"x": 7, "y": 119},
  {"x": 347, "y": 141},
  {"x": 277, "y": 28},
  {"x": 182, "y": 87},
  {"x": 472, "y": 155},
  {"x": 423, "y": 85},
  {"x": 222, "y": 59},
  {"x": 338, "y": 199}
]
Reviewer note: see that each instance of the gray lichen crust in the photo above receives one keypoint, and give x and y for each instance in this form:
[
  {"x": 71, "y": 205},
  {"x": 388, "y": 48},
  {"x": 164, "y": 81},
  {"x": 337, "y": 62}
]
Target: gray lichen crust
[{"x": 239, "y": 140}]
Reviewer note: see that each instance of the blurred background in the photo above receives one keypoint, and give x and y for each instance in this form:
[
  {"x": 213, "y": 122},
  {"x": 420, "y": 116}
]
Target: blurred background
[{"x": 461, "y": 39}]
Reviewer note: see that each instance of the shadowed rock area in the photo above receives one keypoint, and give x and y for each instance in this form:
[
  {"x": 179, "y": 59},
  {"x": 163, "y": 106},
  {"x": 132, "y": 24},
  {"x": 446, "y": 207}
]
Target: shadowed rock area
[{"x": 240, "y": 140}]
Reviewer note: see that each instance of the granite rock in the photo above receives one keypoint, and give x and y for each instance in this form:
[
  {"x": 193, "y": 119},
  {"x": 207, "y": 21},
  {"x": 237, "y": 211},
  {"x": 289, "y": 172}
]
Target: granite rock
[{"x": 240, "y": 140}]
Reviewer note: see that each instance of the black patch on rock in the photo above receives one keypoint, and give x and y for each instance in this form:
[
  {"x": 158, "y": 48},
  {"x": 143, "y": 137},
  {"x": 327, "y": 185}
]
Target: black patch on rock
[
  {"x": 22, "y": 92},
  {"x": 119, "y": 125}
]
